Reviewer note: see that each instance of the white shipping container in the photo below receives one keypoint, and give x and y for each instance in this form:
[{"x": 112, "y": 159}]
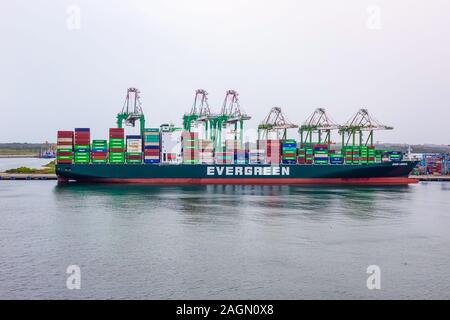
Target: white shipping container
[
  {"x": 171, "y": 142},
  {"x": 134, "y": 145}
]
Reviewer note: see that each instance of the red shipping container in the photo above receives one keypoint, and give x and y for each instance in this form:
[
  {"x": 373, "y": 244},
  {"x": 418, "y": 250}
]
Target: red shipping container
[
  {"x": 63, "y": 143},
  {"x": 151, "y": 153},
  {"x": 64, "y": 154},
  {"x": 65, "y": 134},
  {"x": 116, "y": 150},
  {"x": 99, "y": 154},
  {"x": 64, "y": 162},
  {"x": 82, "y": 138}
]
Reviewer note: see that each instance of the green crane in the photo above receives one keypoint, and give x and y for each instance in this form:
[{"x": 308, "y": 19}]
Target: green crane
[
  {"x": 131, "y": 111},
  {"x": 190, "y": 119},
  {"x": 204, "y": 115},
  {"x": 230, "y": 114},
  {"x": 353, "y": 129},
  {"x": 317, "y": 128},
  {"x": 276, "y": 122}
]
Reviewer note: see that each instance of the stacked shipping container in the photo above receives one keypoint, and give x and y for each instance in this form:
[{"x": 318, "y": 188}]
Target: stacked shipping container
[
  {"x": 289, "y": 151},
  {"x": 256, "y": 152},
  {"x": 116, "y": 146},
  {"x": 234, "y": 152},
  {"x": 336, "y": 157},
  {"x": 367, "y": 154},
  {"x": 273, "y": 148},
  {"x": 253, "y": 155},
  {"x": 371, "y": 155},
  {"x": 82, "y": 146},
  {"x": 348, "y": 154},
  {"x": 64, "y": 147},
  {"x": 305, "y": 155},
  {"x": 321, "y": 154},
  {"x": 206, "y": 151},
  {"x": 395, "y": 156},
  {"x": 356, "y": 151},
  {"x": 224, "y": 156},
  {"x": 134, "y": 149},
  {"x": 190, "y": 151},
  {"x": 152, "y": 146},
  {"x": 99, "y": 152},
  {"x": 171, "y": 146}
]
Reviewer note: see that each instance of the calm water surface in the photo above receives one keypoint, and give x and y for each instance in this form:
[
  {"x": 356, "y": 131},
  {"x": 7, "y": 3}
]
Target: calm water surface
[{"x": 223, "y": 242}]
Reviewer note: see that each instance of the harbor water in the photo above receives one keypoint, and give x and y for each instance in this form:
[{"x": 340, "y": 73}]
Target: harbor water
[{"x": 223, "y": 242}]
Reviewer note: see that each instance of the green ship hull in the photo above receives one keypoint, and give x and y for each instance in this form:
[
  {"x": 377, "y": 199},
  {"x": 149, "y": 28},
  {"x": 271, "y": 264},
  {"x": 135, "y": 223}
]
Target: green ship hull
[{"x": 160, "y": 174}]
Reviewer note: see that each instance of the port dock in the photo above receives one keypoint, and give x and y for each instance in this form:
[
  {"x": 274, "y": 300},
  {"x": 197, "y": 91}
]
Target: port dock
[{"x": 27, "y": 176}]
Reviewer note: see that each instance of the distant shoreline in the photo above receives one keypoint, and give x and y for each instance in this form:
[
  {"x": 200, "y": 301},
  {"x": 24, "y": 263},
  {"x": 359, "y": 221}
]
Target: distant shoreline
[{"x": 16, "y": 156}]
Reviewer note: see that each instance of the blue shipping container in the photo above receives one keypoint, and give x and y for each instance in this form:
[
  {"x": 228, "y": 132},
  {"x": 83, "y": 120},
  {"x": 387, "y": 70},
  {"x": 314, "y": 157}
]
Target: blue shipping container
[{"x": 152, "y": 161}]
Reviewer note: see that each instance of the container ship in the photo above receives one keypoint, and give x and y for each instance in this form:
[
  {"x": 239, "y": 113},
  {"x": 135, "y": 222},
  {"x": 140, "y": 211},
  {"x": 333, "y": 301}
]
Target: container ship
[{"x": 202, "y": 151}]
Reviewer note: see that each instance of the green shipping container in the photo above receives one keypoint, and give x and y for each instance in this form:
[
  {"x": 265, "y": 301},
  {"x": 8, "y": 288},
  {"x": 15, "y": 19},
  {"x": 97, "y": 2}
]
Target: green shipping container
[
  {"x": 78, "y": 147},
  {"x": 64, "y": 150},
  {"x": 99, "y": 142},
  {"x": 99, "y": 161}
]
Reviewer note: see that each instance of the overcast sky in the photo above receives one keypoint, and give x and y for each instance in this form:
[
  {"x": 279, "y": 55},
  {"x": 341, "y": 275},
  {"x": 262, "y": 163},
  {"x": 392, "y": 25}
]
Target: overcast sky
[{"x": 61, "y": 70}]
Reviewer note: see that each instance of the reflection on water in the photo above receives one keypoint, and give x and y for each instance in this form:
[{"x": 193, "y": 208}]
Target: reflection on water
[
  {"x": 315, "y": 202},
  {"x": 223, "y": 242}
]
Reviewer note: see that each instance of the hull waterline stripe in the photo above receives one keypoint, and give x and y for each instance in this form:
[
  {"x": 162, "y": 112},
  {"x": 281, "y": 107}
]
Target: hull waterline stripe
[{"x": 253, "y": 181}]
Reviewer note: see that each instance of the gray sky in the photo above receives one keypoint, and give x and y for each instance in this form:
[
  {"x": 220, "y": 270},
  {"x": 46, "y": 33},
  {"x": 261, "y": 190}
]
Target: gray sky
[{"x": 391, "y": 56}]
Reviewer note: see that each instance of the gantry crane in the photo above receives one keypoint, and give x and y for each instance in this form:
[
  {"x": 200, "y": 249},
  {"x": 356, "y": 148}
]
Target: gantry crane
[
  {"x": 361, "y": 121},
  {"x": 200, "y": 113},
  {"x": 276, "y": 122},
  {"x": 131, "y": 110},
  {"x": 189, "y": 119},
  {"x": 230, "y": 114},
  {"x": 319, "y": 124}
]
